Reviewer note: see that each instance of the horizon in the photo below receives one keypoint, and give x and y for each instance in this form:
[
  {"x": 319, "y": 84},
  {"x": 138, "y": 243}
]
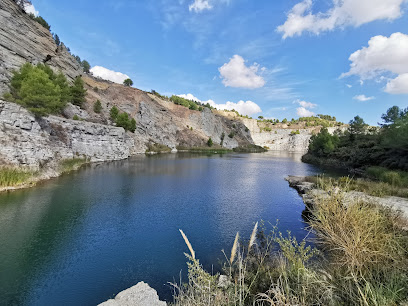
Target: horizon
[{"x": 287, "y": 59}]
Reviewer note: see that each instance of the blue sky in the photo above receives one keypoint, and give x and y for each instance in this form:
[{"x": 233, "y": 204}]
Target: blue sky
[{"x": 285, "y": 57}]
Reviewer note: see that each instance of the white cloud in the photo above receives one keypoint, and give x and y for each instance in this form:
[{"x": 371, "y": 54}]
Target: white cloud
[
  {"x": 303, "y": 111},
  {"x": 399, "y": 85},
  {"x": 109, "y": 75},
  {"x": 30, "y": 9},
  {"x": 363, "y": 98},
  {"x": 343, "y": 13},
  {"x": 189, "y": 97},
  {"x": 349, "y": 86},
  {"x": 200, "y": 5},
  {"x": 243, "y": 107},
  {"x": 236, "y": 74},
  {"x": 383, "y": 55}
]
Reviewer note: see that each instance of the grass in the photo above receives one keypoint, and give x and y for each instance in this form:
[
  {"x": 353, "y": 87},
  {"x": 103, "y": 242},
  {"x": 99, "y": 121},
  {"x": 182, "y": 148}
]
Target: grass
[
  {"x": 393, "y": 177},
  {"x": 361, "y": 259},
  {"x": 157, "y": 148},
  {"x": 68, "y": 165},
  {"x": 370, "y": 187},
  {"x": 250, "y": 149},
  {"x": 212, "y": 149},
  {"x": 11, "y": 177}
]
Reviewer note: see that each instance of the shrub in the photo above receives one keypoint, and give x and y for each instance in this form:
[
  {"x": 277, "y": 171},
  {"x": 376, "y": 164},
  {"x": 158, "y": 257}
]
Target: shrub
[
  {"x": 41, "y": 21},
  {"x": 97, "y": 107},
  {"x": 231, "y": 135},
  {"x": 293, "y": 133},
  {"x": 210, "y": 142},
  {"x": 39, "y": 89},
  {"x": 114, "y": 112},
  {"x": 75, "y": 117}
]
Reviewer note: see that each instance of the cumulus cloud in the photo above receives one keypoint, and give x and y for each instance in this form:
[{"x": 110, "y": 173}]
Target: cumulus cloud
[
  {"x": 110, "y": 75},
  {"x": 383, "y": 55},
  {"x": 30, "y": 9},
  {"x": 200, "y": 5},
  {"x": 303, "y": 110},
  {"x": 343, "y": 13},
  {"x": 236, "y": 74},
  {"x": 363, "y": 98},
  {"x": 243, "y": 107}
]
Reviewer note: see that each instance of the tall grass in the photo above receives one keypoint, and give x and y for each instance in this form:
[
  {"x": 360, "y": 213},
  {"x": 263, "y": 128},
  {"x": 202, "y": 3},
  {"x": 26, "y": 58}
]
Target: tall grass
[
  {"x": 362, "y": 259},
  {"x": 70, "y": 164},
  {"x": 392, "y": 177},
  {"x": 10, "y": 177}
]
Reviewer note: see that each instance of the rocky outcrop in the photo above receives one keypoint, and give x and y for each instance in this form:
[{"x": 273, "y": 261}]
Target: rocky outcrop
[
  {"x": 140, "y": 295},
  {"x": 38, "y": 143},
  {"x": 308, "y": 191},
  {"x": 24, "y": 40}
]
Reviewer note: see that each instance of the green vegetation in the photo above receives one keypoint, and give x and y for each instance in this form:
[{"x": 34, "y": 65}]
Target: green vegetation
[
  {"x": 210, "y": 142},
  {"x": 362, "y": 147},
  {"x": 41, "y": 21},
  {"x": 78, "y": 92},
  {"x": 122, "y": 119},
  {"x": 206, "y": 149},
  {"x": 128, "y": 82},
  {"x": 185, "y": 102},
  {"x": 377, "y": 188},
  {"x": 293, "y": 133},
  {"x": 97, "y": 107},
  {"x": 361, "y": 259},
  {"x": 40, "y": 90},
  {"x": 231, "y": 135},
  {"x": 68, "y": 165},
  {"x": 222, "y": 139},
  {"x": 85, "y": 66},
  {"x": 157, "y": 148},
  {"x": 319, "y": 120},
  {"x": 76, "y": 117},
  {"x": 249, "y": 149},
  {"x": 56, "y": 39},
  {"x": 11, "y": 177},
  {"x": 266, "y": 129}
]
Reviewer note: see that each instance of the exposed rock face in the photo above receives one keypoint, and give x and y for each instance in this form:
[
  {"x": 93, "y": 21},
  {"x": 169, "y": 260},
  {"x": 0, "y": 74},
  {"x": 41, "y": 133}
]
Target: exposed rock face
[
  {"x": 140, "y": 295},
  {"x": 37, "y": 143},
  {"x": 24, "y": 40}
]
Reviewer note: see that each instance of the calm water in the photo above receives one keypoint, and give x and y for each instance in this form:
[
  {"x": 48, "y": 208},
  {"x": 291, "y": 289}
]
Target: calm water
[{"x": 82, "y": 238}]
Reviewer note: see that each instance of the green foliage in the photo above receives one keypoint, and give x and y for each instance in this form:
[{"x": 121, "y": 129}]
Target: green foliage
[
  {"x": 85, "y": 66},
  {"x": 357, "y": 126},
  {"x": 260, "y": 117},
  {"x": 128, "y": 82},
  {"x": 222, "y": 138},
  {"x": 41, "y": 21},
  {"x": 78, "y": 92},
  {"x": 56, "y": 39},
  {"x": 13, "y": 176},
  {"x": 186, "y": 103},
  {"x": 122, "y": 119},
  {"x": 231, "y": 135},
  {"x": 210, "y": 142},
  {"x": 293, "y": 133},
  {"x": 75, "y": 117},
  {"x": 39, "y": 89},
  {"x": 323, "y": 143},
  {"x": 71, "y": 164},
  {"x": 97, "y": 107},
  {"x": 157, "y": 148},
  {"x": 246, "y": 129},
  {"x": 284, "y": 120},
  {"x": 114, "y": 112}
]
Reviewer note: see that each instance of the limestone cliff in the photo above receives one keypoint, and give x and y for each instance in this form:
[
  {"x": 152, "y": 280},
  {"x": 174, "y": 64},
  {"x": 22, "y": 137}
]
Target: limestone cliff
[{"x": 24, "y": 40}]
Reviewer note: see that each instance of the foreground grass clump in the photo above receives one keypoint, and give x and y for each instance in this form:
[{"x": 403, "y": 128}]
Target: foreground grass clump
[
  {"x": 362, "y": 259},
  {"x": 373, "y": 188},
  {"x": 70, "y": 164},
  {"x": 10, "y": 177}
]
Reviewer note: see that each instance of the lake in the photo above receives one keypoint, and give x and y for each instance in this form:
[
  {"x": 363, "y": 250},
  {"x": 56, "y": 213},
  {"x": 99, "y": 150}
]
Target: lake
[{"x": 82, "y": 238}]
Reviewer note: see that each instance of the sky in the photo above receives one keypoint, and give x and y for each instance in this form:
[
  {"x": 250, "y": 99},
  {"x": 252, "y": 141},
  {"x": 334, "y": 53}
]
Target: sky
[{"x": 274, "y": 58}]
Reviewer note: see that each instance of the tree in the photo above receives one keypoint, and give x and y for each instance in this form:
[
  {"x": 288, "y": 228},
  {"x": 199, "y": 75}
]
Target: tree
[
  {"x": 323, "y": 143},
  {"x": 132, "y": 126},
  {"x": 210, "y": 142},
  {"x": 357, "y": 126},
  {"x": 128, "y": 82},
  {"x": 41, "y": 21},
  {"x": 97, "y": 107},
  {"x": 78, "y": 92},
  {"x": 284, "y": 120},
  {"x": 114, "y": 112},
  {"x": 260, "y": 117},
  {"x": 39, "y": 89},
  {"x": 391, "y": 116},
  {"x": 85, "y": 66},
  {"x": 56, "y": 39}
]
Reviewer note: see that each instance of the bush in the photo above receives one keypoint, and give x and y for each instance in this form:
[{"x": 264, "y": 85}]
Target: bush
[
  {"x": 210, "y": 142},
  {"x": 123, "y": 119},
  {"x": 75, "y": 117},
  {"x": 128, "y": 82},
  {"x": 78, "y": 92},
  {"x": 114, "y": 112},
  {"x": 231, "y": 135},
  {"x": 293, "y": 133},
  {"x": 97, "y": 107},
  {"x": 39, "y": 89}
]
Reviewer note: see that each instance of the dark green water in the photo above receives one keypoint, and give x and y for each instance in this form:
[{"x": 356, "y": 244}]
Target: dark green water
[{"x": 82, "y": 238}]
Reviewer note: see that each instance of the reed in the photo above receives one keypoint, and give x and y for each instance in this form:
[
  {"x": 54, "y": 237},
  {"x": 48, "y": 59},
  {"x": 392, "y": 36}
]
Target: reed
[{"x": 11, "y": 177}]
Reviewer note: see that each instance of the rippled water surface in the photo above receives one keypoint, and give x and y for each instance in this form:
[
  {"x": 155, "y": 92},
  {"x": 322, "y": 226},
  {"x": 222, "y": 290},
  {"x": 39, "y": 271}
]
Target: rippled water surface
[{"x": 82, "y": 238}]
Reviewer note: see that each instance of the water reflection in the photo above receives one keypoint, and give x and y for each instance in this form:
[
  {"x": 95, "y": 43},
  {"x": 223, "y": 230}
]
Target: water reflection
[{"x": 83, "y": 237}]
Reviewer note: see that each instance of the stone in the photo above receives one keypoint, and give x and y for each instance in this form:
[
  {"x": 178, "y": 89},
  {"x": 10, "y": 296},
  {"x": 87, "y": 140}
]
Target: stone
[{"x": 139, "y": 295}]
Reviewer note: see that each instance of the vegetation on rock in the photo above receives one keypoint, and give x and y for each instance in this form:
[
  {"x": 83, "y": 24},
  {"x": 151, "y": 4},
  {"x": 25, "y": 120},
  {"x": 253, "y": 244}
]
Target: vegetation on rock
[{"x": 128, "y": 82}]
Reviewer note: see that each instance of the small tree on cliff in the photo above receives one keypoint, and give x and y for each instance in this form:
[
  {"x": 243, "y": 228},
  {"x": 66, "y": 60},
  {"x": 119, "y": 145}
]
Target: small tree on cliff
[
  {"x": 210, "y": 142},
  {"x": 128, "y": 82},
  {"x": 85, "y": 66},
  {"x": 78, "y": 92}
]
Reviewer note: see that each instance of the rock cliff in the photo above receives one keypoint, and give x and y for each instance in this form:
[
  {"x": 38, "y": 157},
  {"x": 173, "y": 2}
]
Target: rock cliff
[{"x": 24, "y": 40}]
